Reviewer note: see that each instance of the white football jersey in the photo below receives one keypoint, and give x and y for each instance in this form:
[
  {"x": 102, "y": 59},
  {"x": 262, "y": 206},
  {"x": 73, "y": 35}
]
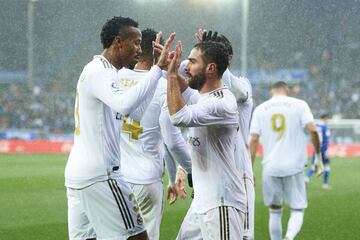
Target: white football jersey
[
  {"x": 142, "y": 142},
  {"x": 99, "y": 101},
  {"x": 242, "y": 90},
  {"x": 280, "y": 123},
  {"x": 213, "y": 123}
]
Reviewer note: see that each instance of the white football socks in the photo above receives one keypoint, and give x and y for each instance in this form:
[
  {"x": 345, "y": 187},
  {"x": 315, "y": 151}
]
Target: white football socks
[
  {"x": 295, "y": 223},
  {"x": 275, "y": 227}
]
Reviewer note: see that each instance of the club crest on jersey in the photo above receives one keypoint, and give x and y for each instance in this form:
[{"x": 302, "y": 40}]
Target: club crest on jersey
[
  {"x": 194, "y": 141},
  {"x": 139, "y": 219},
  {"x": 115, "y": 87}
]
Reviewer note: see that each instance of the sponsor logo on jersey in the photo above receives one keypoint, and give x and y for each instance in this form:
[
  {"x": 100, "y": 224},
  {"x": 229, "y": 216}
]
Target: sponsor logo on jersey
[{"x": 128, "y": 82}]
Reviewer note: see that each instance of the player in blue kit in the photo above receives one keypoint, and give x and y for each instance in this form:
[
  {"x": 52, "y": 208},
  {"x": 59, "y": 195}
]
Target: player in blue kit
[{"x": 324, "y": 134}]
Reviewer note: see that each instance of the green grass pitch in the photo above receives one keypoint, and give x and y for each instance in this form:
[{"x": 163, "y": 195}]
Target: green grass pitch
[{"x": 33, "y": 202}]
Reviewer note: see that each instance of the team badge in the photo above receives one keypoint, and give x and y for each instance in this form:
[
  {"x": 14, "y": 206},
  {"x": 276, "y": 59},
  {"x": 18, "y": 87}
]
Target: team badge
[
  {"x": 194, "y": 141},
  {"x": 139, "y": 219}
]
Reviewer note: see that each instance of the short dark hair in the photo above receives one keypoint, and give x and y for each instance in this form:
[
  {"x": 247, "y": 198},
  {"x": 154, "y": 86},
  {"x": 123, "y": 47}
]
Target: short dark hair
[
  {"x": 148, "y": 36},
  {"x": 117, "y": 26},
  {"x": 210, "y": 36},
  {"x": 222, "y": 39},
  {"x": 214, "y": 52},
  {"x": 279, "y": 85}
]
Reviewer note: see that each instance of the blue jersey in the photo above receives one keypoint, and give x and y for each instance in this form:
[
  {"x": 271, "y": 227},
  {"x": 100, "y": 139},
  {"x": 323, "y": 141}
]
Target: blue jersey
[{"x": 324, "y": 135}]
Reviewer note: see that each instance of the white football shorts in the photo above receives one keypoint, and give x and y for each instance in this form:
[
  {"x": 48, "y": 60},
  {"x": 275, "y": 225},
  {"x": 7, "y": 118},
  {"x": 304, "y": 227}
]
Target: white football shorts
[
  {"x": 250, "y": 210},
  {"x": 293, "y": 187},
  {"x": 221, "y": 223},
  {"x": 106, "y": 210},
  {"x": 150, "y": 200}
]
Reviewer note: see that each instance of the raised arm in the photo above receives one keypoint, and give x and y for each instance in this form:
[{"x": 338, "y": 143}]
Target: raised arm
[
  {"x": 137, "y": 97},
  {"x": 174, "y": 97}
]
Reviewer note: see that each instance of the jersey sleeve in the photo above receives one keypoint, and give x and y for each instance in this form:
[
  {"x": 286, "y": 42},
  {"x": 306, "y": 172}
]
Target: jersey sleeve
[
  {"x": 255, "y": 123},
  {"x": 190, "y": 96},
  {"x": 306, "y": 116},
  {"x": 170, "y": 166},
  {"x": 173, "y": 138},
  {"x": 212, "y": 112},
  {"x": 238, "y": 86},
  {"x": 134, "y": 101}
]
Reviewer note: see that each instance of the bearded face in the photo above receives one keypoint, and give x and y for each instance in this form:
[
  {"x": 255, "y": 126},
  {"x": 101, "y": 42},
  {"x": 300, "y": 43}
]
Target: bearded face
[
  {"x": 196, "y": 69},
  {"x": 197, "y": 81}
]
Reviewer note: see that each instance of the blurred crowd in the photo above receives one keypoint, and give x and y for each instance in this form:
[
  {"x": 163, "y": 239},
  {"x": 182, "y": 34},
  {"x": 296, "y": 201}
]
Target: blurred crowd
[
  {"x": 333, "y": 87},
  {"x": 48, "y": 108}
]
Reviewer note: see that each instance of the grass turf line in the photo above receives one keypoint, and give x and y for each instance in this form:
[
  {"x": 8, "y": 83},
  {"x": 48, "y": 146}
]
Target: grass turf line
[{"x": 33, "y": 202}]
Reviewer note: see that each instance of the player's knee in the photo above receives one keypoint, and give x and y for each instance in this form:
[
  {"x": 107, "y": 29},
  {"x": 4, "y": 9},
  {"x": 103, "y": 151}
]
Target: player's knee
[
  {"x": 141, "y": 236},
  {"x": 275, "y": 207},
  {"x": 297, "y": 209}
]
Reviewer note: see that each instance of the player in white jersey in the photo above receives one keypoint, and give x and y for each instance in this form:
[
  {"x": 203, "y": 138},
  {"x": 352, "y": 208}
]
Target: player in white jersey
[
  {"x": 100, "y": 202},
  {"x": 280, "y": 123},
  {"x": 142, "y": 142},
  {"x": 242, "y": 90},
  {"x": 219, "y": 202}
]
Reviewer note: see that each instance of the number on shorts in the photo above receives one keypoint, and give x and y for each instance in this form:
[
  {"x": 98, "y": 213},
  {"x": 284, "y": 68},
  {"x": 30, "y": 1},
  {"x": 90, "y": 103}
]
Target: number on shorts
[{"x": 278, "y": 124}]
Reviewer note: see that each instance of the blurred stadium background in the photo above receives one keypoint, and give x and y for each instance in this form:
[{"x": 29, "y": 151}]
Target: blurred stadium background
[{"x": 312, "y": 45}]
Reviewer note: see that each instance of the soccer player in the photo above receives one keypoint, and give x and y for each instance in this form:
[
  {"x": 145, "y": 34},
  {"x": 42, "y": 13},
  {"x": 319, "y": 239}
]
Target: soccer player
[
  {"x": 219, "y": 203},
  {"x": 324, "y": 133},
  {"x": 279, "y": 122},
  {"x": 142, "y": 142},
  {"x": 242, "y": 90},
  {"x": 100, "y": 202}
]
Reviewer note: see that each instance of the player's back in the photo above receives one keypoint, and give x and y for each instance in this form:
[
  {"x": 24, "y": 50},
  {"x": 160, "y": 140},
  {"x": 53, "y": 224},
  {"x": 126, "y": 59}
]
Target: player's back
[
  {"x": 141, "y": 141},
  {"x": 280, "y": 122}
]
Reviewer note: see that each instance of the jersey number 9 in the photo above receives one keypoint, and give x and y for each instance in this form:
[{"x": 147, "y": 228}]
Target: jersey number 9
[{"x": 278, "y": 124}]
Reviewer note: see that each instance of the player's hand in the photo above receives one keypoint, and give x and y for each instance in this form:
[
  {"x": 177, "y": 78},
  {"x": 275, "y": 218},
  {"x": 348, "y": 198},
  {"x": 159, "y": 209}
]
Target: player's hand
[
  {"x": 173, "y": 69},
  {"x": 170, "y": 57},
  {"x": 157, "y": 47},
  {"x": 200, "y": 34},
  {"x": 209, "y": 36},
  {"x": 162, "y": 61},
  {"x": 180, "y": 183},
  {"x": 171, "y": 194},
  {"x": 319, "y": 166}
]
